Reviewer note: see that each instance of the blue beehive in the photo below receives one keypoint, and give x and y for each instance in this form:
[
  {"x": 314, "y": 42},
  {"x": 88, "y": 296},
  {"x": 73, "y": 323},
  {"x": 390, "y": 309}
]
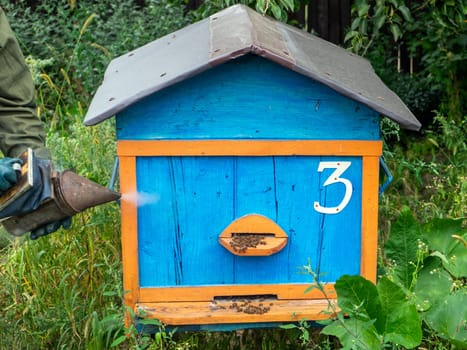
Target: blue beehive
[{"x": 253, "y": 150}]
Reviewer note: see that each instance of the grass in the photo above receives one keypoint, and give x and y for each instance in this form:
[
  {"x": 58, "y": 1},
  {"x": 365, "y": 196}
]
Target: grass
[
  {"x": 65, "y": 291},
  {"x": 54, "y": 288}
]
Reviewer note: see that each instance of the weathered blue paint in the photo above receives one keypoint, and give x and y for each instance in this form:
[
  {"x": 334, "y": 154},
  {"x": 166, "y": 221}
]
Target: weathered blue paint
[
  {"x": 248, "y": 98},
  {"x": 221, "y": 327},
  {"x": 195, "y": 198}
]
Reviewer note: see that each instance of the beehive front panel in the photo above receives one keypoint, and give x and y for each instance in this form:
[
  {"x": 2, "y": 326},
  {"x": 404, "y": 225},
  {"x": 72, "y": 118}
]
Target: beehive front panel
[
  {"x": 248, "y": 98},
  {"x": 191, "y": 200}
]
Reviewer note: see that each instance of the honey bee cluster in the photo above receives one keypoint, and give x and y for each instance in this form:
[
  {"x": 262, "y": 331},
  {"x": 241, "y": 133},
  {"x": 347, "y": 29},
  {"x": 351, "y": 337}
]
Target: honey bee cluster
[
  {"x": 241, "y": 242},
  {"x": 248, "y": 308}
]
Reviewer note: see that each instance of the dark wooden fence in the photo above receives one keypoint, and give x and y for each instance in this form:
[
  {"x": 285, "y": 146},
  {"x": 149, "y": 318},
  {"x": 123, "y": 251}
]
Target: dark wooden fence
[
  {"x": 330, "y": 19},
  {"x": 327, "y": 18}
]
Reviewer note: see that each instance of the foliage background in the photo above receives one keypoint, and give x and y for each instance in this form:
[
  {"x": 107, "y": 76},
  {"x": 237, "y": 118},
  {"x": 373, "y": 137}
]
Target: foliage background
[{"x": 65, "y": 291}]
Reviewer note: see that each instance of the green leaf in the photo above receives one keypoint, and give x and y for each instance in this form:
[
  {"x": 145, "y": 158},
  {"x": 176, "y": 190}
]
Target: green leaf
[
  {"x": 310, "y": 288},
  {"x": 350, "y": 35},
  {"x": 358, "y": 298},
  {"x": 261, "y": 6},
  {"x": 438, "y": 233},
  {"x": 448, "y": 318},
  {"x": 355, "y": 24},
  {"x": 287, "y": 4},
  {"x": 441, "y": 256},
  {"x": 396, "y": 32},
  {"x": 433, "y": 284},
  {"x": 363, "y": 27},
  {"x": 324, "y": 322},
  {"x": 379, "y": 21},
  {"x": 110, "y": 294},
  {"x": 363, "y": 10},
  {"x": 447, "y": 238},
  {"x": 405, "y": 13},
  {"x": 118, "y": 341},
  {"x": 402, "y": 324},
  {"x": 150, "y": 322},
  {"x": 379, "y": 10},
  {"x": 457, "y": 261},
  {"x": 401, "y": 247},
  {"x": 288, "y": 326},
  {"x": 276, "y": 11},
  {"x": 354, "y": 334}
]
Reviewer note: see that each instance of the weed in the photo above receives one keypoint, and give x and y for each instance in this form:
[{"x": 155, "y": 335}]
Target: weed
[
  {"x": 65, "y": 290},
  {"x": 423, "y": 289}
]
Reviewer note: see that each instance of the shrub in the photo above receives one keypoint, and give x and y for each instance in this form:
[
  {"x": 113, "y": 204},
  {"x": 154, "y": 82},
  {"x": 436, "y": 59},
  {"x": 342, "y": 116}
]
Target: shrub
[
  {"x": 78, "y": 39},
  {"x": 432, "y": 31}
]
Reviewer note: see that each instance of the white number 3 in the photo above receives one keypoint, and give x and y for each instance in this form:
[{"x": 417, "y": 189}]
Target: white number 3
[{"x": 332, "y": 179}]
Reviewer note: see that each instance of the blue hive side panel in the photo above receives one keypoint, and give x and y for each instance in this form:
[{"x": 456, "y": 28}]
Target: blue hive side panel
[
  {"x": 248, "y": 98},
  {"x": 193, "y": 199}
]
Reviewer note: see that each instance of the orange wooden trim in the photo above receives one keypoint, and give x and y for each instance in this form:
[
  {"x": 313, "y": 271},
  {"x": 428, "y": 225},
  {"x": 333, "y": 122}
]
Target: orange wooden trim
[
  {"x": 189, "y": 313},
  {"x": 129, "y": 223},
  {"x": 370, "y": 183},
  {"x": 207, "y": 293},
  {"x": 248, "y": 148},
  {"x": 253, "y": 224}
]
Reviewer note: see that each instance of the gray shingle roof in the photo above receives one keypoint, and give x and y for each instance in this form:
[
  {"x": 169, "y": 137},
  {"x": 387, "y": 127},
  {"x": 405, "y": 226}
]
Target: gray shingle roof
[{"x": 234, "y": 32}]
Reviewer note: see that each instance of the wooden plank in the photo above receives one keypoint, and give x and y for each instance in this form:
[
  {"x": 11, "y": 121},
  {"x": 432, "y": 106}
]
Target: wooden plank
[
  {"x": 334, "y": 26},
  {"x": 223, "y": 103},
  {"x": 297, "y": 181},
  {"x": 248, "y": 148},
  {"x": 205, "y": 190},
  {"x": 192, "y": 313},
  {"x": 329, "y": 19},
  {"x": 312, "y": 17},
  {"x": 370, "y": 183},
  {"x": 207, "y": 293},
  {"x": 255, "y": 193},
  {"x": 345, "y": 18},
  {"x": 322, "y": 16},
  {"x": 158, "y": 234},
  {"x": 179, "y": 232},
  {"x": 340, "y": 234},
  {"x": 129, "y": 223}
]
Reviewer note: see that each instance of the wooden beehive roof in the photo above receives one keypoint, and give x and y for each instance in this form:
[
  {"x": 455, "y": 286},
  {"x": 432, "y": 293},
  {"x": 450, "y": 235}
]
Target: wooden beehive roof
[{"x": 234, "y": 32}]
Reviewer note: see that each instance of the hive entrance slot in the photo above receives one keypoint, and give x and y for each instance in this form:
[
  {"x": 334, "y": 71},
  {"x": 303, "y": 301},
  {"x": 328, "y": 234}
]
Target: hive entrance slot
[
  {"x": 260, "y": 297},
  {"x": 253, "y": 235},
  {"x": 241, "y": 241},
  {"x": 248, "y": 304}
]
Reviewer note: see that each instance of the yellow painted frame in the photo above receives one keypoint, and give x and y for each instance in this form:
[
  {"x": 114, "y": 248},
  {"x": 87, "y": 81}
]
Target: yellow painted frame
[{"x": 165, "y": 302}]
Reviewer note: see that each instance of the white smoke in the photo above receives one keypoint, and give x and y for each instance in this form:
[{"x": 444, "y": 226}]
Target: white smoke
[{"x": 141, "y": 198}]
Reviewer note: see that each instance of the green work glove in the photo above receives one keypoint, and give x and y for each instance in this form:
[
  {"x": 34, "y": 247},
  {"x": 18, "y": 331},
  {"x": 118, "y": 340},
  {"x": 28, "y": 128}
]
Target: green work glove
[
  {"x": 50, "y": 227},
  {"x": 8, "y": 175}
]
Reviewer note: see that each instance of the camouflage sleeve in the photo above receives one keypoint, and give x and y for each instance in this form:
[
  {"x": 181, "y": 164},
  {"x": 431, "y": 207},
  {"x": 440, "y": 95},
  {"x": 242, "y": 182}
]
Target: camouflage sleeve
[{"x": 20, "y": 127}]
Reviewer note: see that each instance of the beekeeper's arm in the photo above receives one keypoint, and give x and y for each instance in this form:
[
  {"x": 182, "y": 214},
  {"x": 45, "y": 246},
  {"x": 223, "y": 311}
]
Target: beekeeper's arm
[{"x": 20, "y": 128}]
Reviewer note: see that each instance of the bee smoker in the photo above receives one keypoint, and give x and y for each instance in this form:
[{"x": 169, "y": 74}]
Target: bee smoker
[{"x": 69, "y": 194}]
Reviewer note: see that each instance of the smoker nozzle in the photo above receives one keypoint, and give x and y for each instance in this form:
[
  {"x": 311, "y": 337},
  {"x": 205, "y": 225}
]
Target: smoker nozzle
[{"x": 71, "y": 194}]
